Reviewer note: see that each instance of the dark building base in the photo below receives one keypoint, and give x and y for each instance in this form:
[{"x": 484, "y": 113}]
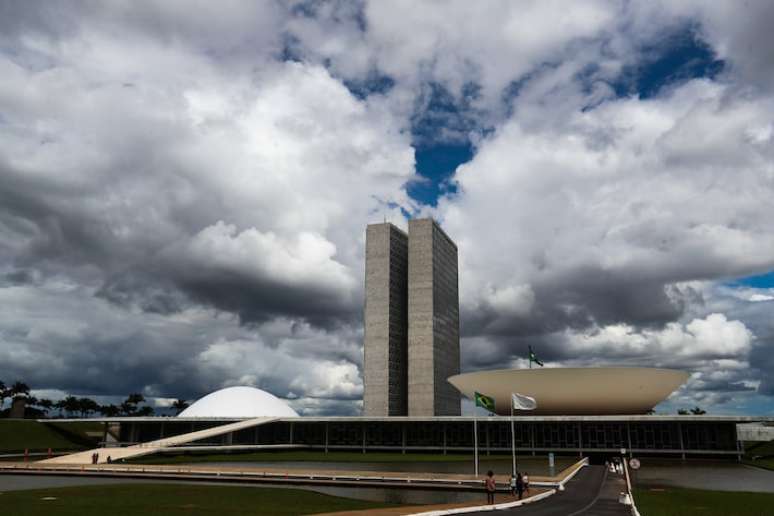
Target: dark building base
[{"x": 583, "y": 435}]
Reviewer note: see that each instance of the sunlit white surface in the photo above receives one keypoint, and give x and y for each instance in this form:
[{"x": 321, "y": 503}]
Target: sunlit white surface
[
  {"x": 575, "y": 391},
  {"x": 246, "y": 402}
]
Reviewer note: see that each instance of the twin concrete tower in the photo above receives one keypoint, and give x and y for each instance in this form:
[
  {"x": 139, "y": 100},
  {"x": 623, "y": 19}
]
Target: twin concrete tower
[{"x": 412, "y": 335}]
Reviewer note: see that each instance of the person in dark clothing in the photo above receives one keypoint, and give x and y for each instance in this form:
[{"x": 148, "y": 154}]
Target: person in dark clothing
[
  {"x": 490, "y": 485},
  {"x": 520, "y": 485}
]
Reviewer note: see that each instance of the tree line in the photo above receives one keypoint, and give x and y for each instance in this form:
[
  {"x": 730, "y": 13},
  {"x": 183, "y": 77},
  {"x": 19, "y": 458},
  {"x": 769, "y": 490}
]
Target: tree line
[{"x": 73, "y": 406}]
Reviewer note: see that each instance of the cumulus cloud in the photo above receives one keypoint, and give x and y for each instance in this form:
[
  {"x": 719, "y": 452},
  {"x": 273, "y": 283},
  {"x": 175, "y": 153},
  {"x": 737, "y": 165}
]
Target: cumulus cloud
[
  {"x": 184, "y": 190},
  {"x": 713, "y": 337}
]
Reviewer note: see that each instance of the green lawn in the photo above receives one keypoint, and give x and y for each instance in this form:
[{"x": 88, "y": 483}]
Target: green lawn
[
  {"x": 172, "y": 499},
  {"x": 674, "y": 501},
  {"x": 767, "y": 463},
  {"x": 765, "y": 449},
  {"x": 760, "y": 449},
  {"x": 16, "y": 435}
]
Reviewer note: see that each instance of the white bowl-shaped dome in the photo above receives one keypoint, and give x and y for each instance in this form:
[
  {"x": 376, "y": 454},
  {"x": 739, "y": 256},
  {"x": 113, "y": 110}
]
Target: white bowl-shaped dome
[
  {"x": 575, "y": 391},
  {"x": 239, "y": 402}
]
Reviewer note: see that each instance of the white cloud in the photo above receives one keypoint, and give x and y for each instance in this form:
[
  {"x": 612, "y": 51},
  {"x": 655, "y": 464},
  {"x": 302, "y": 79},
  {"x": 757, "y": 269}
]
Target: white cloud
[
  {"x": 167, "y": 159},
  {"x": 306, "y": 260},
  {"x": 713, "y": 337}
]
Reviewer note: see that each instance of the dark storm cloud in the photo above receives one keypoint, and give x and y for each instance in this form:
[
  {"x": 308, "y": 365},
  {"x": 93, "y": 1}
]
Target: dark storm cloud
[{"x": 180, "y": 210}]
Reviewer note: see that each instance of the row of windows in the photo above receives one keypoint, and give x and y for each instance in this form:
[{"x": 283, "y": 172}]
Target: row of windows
[{"x": 558, "y": 436}]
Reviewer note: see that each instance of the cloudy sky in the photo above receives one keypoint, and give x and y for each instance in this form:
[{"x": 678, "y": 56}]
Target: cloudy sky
[{"x": 184, "y": 189}]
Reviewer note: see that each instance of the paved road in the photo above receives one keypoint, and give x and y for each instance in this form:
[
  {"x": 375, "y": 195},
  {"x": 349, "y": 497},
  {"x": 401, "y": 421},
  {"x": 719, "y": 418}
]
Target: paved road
[{"x": 591, "y": 492}]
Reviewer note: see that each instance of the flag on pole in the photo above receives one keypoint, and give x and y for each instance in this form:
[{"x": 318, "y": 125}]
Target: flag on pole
[
  {"x": 523, "y": 402},
  {"x": 482, "y": 400},
  {"x": 533, "y": 358}
]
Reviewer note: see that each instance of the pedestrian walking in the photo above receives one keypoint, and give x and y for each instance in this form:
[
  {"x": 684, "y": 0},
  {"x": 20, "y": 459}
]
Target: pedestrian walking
[
  {"x": 525, "y": 479},
  {"x": 490, "y": 485}
]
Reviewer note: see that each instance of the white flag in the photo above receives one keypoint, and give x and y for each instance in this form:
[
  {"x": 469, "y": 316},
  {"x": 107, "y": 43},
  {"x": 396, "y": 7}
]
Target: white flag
[{"x": 522, "y": 402}]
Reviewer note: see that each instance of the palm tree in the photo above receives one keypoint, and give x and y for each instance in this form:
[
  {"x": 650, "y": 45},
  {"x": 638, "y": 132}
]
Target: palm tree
[
  {"x": 135, "y": 398},
  {"x": 59, "y": 406},
  {"x": 3, "y": 394},
  {"x": 70, "y": 404},
  {"x": 179, "y": 405},
  {"x": 45, "y": 404},
  {"x": 698, "y": 411},
  {"x": 87, "y": 406},
  {"x": 145, "y": 410},
  {"x": 19, "y": 389},
  {"x": 127, "y": 409},
  {"x": 109, "y": 410}
]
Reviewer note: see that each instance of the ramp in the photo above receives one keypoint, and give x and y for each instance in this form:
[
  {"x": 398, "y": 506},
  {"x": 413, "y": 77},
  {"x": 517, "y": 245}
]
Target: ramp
[{"x": 138, "y": 450}]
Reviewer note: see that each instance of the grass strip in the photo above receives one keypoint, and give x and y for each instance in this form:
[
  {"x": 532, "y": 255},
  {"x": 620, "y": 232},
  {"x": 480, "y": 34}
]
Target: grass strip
[
  {"x": 677, "y": 501},
  {"x": 174, "y": 499}
]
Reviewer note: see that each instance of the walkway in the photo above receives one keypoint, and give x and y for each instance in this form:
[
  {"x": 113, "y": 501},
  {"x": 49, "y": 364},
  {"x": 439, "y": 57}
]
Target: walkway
[
  {"x": 148, "y": 448},
  {"x": 592, "y": 492}
]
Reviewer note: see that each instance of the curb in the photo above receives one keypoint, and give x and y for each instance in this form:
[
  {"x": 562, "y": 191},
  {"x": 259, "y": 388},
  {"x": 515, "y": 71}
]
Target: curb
[{"x": 485, "y": 508}]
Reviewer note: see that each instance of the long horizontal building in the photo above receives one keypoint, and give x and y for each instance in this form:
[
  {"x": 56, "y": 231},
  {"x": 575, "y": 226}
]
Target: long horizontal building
[{"x": 642, "y": 435}]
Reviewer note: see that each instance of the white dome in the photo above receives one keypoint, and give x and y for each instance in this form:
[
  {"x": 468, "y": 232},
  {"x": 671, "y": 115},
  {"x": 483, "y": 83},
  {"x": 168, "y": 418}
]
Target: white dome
[{"x": 239, "y": 402}]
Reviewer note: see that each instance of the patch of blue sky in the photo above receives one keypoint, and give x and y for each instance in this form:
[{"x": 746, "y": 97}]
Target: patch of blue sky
[
  {"x": 679, "y": 57},
  {"x": 436, "y": 164},
  {"x": 757, "y": 281},
  {"x": 441, "y": 129},
  {"x": 443, "y": 122},
  {"x": 375, "y": 83}
]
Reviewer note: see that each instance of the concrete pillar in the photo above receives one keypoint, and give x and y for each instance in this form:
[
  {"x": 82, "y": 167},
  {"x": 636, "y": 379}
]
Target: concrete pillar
[
  {"x": 403, "y": 445},
  {"x": 580, "y": 441},
  {"x": 486, "y": 434},
  {"x": 444, "y": 437},
  {"x": 326, "y": 437},
  {"x": 291, "y": 433},
  {"x": 682, "y": 446}
]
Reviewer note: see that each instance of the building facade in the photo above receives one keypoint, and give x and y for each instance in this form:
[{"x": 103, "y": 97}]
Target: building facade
[
  {"x": 411, "y": 321},
  {"x": 386, "y": 322},
  {"x": 676, "y": 436},
  {"x": 433, "y": 321}
]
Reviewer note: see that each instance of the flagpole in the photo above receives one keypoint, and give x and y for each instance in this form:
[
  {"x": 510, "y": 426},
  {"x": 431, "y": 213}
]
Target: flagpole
[
  {"x": 475, "y": 443},
  {"x": 513, "y": 439}
]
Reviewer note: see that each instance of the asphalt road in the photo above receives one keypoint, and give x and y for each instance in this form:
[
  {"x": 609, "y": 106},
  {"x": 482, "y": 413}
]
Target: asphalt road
[{"x": 592, "y": 492}]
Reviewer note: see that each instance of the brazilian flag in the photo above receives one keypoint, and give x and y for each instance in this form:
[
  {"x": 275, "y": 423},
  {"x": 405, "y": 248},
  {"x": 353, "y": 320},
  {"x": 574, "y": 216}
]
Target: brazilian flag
[
  {"x": 533, "y": 357},
  {"x": 482, "y": 400}
]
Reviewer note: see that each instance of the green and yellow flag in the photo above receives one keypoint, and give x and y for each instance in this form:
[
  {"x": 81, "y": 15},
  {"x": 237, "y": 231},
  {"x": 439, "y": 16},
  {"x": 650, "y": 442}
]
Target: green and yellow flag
[
  {"x": 533, "y": 358},
  {"x": 482, "y": 400}
]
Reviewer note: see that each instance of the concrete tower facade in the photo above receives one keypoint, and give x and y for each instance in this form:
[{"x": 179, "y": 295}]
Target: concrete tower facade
[
  {"x": 386, "y": 322},
  {"x": 433, "y": 321}
]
